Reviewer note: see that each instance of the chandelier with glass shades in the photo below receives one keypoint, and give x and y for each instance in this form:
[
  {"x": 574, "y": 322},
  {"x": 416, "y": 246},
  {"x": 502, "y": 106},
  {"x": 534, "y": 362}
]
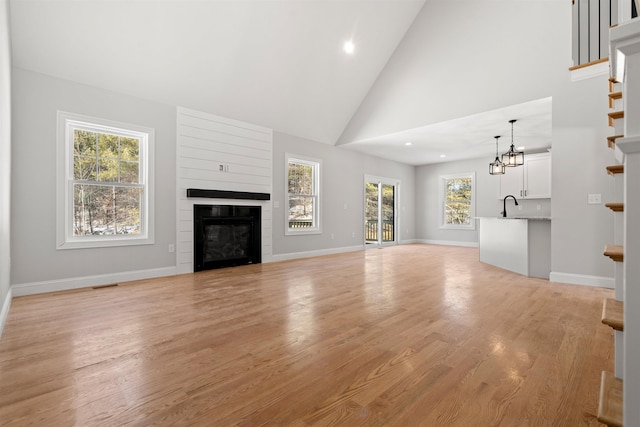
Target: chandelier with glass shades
[
  {"x": 510, "y": 159},
  {"x": 496, "y": 167},
  {"x": 513, "y": 158}
]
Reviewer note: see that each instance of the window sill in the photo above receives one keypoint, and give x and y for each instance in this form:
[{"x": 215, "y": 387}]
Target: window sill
[
  {"x": 104, "y": 243},
  {"x": 301, "y": 233}
]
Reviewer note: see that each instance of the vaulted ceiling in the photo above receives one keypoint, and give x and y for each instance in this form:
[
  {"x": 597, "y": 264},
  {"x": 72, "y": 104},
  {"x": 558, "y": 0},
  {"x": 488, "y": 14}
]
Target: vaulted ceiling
[
  {"x": 278, "y": 64},
  {"x": 281, "y": 64}
]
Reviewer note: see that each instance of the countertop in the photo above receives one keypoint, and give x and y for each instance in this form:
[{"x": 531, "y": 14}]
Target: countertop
[{"x": 533, "y": 218}]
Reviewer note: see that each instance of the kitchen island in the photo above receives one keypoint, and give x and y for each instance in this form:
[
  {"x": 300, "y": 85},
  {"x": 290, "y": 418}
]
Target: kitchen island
[{"x": 521, "y": 245}]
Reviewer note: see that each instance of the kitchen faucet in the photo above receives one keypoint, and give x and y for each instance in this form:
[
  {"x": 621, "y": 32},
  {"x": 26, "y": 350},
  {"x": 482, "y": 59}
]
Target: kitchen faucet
[{"x": 504, "y": 205}]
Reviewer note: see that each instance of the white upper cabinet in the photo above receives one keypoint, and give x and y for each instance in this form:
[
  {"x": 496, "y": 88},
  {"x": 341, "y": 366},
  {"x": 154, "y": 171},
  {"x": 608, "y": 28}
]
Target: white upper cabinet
[{"x": 529, "y": 181}]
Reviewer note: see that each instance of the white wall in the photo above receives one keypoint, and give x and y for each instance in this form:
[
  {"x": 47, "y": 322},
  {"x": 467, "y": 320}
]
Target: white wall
[
  {"x": 579, "y": 231},
  {"x": 342, "y": 192},
  {"x": 37, "y": 265},
  {"x": 5, "y": 162},
  {"x": 465, "y": 57}
]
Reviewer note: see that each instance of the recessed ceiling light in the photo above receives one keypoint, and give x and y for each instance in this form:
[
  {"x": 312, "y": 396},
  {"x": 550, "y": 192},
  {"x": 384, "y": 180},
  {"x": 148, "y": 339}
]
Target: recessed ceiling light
[
  {"x": 443, "y": 155},
  {"x": 520, "y": 148},
  {"x": 349, "y": 47},
  {"x": 408, "y": 143}
]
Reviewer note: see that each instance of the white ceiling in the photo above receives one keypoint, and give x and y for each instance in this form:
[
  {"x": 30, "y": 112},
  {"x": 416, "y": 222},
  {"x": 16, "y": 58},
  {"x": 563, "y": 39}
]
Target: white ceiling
[
  {"x": 467, "y": 137},
  {"x": 278, "y": 64}
]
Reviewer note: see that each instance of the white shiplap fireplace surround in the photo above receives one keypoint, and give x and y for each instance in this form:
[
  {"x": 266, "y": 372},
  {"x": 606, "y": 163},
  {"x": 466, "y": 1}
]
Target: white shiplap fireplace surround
[{"x": 216, "y": 153}]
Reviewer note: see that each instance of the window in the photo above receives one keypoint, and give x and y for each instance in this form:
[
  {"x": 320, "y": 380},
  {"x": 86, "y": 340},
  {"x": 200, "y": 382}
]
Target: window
[
  {"x": 457, "y": 195},
  {"x": 303, "y": 195},
  {"x": 105, "y": 180}
]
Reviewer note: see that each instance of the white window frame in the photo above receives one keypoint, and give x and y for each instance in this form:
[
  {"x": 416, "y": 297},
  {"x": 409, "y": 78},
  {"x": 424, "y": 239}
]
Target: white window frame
[
  {"x": 316, "y": 164},
  {"x": 472, "y": 212},
  {"x": 65, "y": 239}
]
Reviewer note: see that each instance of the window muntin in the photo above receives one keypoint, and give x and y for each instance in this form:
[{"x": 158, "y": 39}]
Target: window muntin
[
  {"x": 105, "y": 186},
  {"x": 303, "y": 195},
  {"x": 457, "y": 195}
]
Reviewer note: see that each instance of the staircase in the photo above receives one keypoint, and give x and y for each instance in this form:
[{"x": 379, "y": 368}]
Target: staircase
[
  {"x": 620, "y": 390},
  {"x": 610, "y": 408}
]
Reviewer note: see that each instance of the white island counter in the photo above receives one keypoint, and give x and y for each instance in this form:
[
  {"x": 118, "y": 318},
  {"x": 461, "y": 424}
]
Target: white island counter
[{"x": 521, "y": 245}]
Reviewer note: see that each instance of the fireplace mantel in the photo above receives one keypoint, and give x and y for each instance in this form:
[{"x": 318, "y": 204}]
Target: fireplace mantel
[{"x": 224, "y": 194}]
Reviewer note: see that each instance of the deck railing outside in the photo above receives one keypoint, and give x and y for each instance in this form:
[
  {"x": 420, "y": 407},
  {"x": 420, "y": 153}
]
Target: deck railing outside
[
  {"x": 300, "y": 223},
  {"x": 371, "y": 231}
]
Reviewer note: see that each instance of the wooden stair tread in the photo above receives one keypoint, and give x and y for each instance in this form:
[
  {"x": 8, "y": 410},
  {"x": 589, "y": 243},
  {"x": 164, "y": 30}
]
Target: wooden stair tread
[
  {"x": 613, "y": 96},
  {"x": 615, "y": 206},
  {"x": 610, "y": 405},
  {"x": 611, "y": 140},
  {"x": 615, "y": 169},
  {"x": 612, "y": 84},
  {"x": 615, "y": 115},
  {"x": 615, "y": 252},
  {"x": 613, "y": 313}
]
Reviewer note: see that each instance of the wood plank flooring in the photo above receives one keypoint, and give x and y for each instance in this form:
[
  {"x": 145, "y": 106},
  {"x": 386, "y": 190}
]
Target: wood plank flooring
[{"x": 414, "y": 335}]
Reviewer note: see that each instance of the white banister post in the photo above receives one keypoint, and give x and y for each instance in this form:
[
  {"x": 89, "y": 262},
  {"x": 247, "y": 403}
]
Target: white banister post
[{"x": 625, "y": 63}]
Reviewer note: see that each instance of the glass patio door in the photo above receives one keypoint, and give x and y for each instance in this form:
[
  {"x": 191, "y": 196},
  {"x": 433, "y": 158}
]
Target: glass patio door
[{"x": 380, "y": 212}]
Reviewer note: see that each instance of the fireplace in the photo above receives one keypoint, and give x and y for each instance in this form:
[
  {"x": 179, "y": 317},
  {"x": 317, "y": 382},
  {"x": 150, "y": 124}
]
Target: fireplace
[{"x": 226, "y": 235}]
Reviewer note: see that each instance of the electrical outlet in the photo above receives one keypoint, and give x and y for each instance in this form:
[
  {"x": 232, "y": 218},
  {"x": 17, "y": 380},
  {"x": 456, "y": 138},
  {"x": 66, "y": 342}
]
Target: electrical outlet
[
  {"x": 594, "y": 199},
  {"x": 353, "y": 234},
  {"x": 332, "y": 236},
  {"x": 172, "y": 248},
  {"x": 538, "y": 207}
]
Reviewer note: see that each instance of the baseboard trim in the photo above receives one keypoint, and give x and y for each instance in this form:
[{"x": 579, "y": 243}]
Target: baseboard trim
[
  {"x": 448, "y": 243},
  {"x": 309, "y": 254},
  {"x": 4, "y": 314},
  {"x": 409, "y": 241},
  {"x": 582, "y": 279},
  {"x": 23, "y": 289}
]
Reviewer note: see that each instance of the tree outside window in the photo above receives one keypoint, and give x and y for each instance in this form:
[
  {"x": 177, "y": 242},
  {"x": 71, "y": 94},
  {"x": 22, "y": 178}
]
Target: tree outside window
[
  {"x": 107, "y": 188},
  {"x": 106, "y": 185},
  {"x": 303, "y": 195},
  {"x": 458, "y": 201}
]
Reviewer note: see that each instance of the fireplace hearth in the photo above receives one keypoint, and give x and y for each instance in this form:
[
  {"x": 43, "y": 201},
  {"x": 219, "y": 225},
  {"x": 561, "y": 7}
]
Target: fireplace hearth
[{"x": 226, "y": 235}]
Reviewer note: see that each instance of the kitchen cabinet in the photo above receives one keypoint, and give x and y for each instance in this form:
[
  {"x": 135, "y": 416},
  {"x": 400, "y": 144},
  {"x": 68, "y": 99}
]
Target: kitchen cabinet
[{"x": 529, "y": 181}]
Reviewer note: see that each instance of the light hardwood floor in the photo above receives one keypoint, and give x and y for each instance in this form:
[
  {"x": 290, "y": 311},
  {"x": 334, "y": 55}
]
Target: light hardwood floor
[{"x": 403, "y": 336}]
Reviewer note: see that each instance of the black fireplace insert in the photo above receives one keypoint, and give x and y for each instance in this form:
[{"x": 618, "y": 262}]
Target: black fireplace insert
[{"x": 226, "y": 235}]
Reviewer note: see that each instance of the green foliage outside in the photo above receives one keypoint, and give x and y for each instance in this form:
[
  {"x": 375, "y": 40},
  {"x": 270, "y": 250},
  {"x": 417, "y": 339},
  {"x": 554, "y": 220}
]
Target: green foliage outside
[
  {"x": 371, "y": 211},
  {"x": 101, "y": 163},
  {"x": 457, "y": 201},
  {"x": 301, "y": 195}
]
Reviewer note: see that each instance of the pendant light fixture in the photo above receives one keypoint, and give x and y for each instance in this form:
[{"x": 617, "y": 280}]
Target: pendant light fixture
[
  {"x": 497, "y": 167},
  {"x": 513, "y": 158}
]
